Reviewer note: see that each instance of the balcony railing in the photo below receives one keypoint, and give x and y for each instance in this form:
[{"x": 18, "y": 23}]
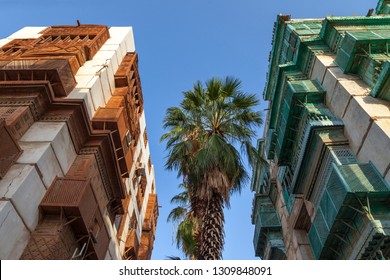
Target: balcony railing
[
  {"x": 75, "y": 199},
  {"x": 274, "y": 248},
  {"x": 266, "y": 220},
  {"x": 351, "y": 190}
]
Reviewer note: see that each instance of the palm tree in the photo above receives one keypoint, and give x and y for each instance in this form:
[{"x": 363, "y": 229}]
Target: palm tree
[
  {"x": 204, "y": 133},
  {"x": 187, "y": 225}
]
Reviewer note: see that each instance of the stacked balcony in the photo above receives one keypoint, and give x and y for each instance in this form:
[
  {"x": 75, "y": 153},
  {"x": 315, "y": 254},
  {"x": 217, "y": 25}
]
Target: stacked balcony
[
  {"x": 353, "y": 208},
  {"x": 75, "y": 200},
  {"x": 113, "y": 120},
  {"x": 267, "y": 225}
]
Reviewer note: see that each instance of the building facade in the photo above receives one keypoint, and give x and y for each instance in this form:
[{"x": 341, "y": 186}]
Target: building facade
[
  {"x": 325, "y": 192},
  {"x": 76, "y": 178}
]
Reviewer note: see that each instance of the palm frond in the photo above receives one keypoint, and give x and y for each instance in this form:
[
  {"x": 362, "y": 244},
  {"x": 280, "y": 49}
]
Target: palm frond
[
  {"x": 177, "y": 214},
  {"x": 181, "y": 199}
]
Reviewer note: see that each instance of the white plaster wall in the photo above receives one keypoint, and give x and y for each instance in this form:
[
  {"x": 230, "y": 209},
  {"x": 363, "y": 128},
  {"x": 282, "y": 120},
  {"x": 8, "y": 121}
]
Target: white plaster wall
[
  {"x": 14, "y": 235},
  {"x": 135, "y": 187},
  {"x": 105, "y": 84},
  {"x": 95, "y": 68},
  {"x": 85, "y": 94},
  {"x": 58, "y": 134},
  {"x": 339, "y": 101},
  {"x": 110, "y": 53},
  {"x": 4, "y": 41},
  {"x": 142, "y": 123},
  {"x": 356, "y": 121},
  {"x": 136, "y": 211},
  {"x": 113, "y": 247},
  {"x": 42, "y": 155},
  {"x": 109, "y": 58},
  {"x": 118, "y": 53},
  {"x": 320, "y": 66},
  {"x": 128, "y": 183},
  {"x": 93, "y": 85},
  {"x": 355, "y": 87},
  {"x": 95, "y": 76},
  {"x": 28, "y": 32},
  {"x": 344, "y": 90},
  {"x": 131, "y": 190},
  {"x": 126, "y": 220},
  {"x": 23, "y": 187},
  {"x": 332, "y": 76},
  {"x": 374, "y": 107},
  {"x": 147, "y": 160},
  {"x": 143, "y": 210},
  {"x": 122, "y": 36},
  {"x": 376, "y": 147},
  {"x": 153, "y": 179}
]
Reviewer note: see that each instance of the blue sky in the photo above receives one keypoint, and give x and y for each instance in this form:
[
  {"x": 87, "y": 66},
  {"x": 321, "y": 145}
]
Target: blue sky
[{"x": 180, "y": 42}]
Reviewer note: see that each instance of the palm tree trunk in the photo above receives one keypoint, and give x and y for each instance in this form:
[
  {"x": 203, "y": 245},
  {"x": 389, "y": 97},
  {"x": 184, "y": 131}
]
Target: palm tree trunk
[
  {"x": 198, "y": 207},
  {"x": 211, "y": 231}
]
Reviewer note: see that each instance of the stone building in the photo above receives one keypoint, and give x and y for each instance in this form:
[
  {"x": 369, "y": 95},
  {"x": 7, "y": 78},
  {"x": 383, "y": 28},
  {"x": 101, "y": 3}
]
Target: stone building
[
  {"x": 325, "y": 192},
  {"x": 76, "y": 178}
]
